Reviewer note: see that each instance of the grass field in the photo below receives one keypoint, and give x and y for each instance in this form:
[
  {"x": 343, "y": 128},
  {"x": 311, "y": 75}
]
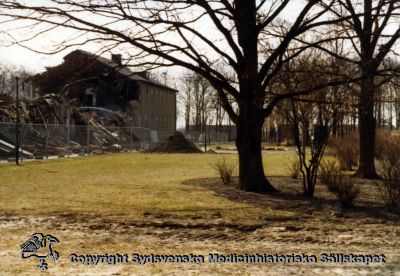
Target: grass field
[
  {"x": 118, "y": 183},
  {"x": 152, "y": 203}
]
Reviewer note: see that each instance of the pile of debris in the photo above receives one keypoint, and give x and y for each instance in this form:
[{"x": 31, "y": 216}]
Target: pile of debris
[
  {"x": 43, "y": 128},
  {"x": 34, "y": 111},
  {"x": 106, "y": 128},
  {"x": 176, "y": 143}
]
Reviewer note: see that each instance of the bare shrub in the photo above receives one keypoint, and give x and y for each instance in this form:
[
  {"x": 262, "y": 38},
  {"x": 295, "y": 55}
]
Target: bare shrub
[
  {"x": 387, "y": 148},
  {"x": 293, "y": 167},
  {"x": 343, "y": 187},
  {"x": 327, "y": 170},
  {"x": 225, "y": 171},
  {"x": 389, "y": 169},
  {"x": 380, "y": 143},
  {"x": 390, "y": 192},
  {"x": 346, "y": 150}
]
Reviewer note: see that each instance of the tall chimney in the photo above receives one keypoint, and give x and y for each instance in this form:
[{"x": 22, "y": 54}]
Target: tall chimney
[{"x": 117, "y": 58}]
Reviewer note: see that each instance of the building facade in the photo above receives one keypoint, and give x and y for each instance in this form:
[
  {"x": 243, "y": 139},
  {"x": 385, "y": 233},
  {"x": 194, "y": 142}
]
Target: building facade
[{"x": 95, "y": 83}]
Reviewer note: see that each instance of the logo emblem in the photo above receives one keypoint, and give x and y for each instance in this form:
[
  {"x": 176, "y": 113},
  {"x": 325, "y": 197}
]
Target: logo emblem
[{"x": 39, "y": 246}]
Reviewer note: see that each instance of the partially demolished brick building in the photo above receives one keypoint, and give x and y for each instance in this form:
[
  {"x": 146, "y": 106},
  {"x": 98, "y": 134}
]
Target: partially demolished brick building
[
  {"x": 84, "y": 105},
  {"x": 93, "y": 83}
]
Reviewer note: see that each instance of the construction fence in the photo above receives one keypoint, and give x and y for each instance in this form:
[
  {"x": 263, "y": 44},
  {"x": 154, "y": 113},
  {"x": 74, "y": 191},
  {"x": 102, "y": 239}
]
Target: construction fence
[
  {"x": 38, "y": 141},
  {"x": 209, "y": 137}
]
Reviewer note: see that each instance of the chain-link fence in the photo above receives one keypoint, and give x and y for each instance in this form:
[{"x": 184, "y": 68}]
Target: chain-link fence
[
  {"x": 199, "y": 137},
  {"x": 38, "y": 141},
  {"x": 211, "y": 135}
]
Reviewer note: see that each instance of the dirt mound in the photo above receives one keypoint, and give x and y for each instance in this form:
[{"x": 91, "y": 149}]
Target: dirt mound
[{"x": 176, "y": 143}]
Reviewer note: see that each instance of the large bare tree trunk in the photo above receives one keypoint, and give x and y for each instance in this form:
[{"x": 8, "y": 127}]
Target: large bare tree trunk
[
  {"x": 367, "y": 129},
  {"x": 250, "y": 118},
  {"x": 248, "y": 143}
]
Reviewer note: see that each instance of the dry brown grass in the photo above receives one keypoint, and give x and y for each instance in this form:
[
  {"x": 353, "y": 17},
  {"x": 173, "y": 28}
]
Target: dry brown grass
[
  {"x": 225, "y": 170},
  {"x": 128, "y": 203},
  {"x": 346, "y": 150},
  {"x": 342, "y": 186},
  {"x": 389, "y": 169}
]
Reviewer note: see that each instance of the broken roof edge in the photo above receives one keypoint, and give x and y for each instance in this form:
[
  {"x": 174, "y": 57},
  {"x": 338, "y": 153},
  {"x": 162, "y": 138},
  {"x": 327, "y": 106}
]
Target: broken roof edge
[{"x": 122, "y": 69}]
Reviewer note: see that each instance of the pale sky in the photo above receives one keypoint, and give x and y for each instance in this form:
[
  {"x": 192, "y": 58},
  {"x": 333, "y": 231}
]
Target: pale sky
[{"x": 35, "y": 62}]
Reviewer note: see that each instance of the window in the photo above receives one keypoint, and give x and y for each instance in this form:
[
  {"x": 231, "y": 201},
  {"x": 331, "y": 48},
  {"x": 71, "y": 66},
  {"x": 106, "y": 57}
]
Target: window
[
  {"x": 143, "y": 95},
  {"x": 164, "y": 124},
  {"x": 149, "y": 95},
  {"x": 89, "y": 100},
  {"x": 139, "y": 122},
  {"x": 90, "y": 97}
]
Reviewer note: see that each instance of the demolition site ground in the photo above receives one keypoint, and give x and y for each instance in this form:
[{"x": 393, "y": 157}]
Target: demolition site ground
[{"x": 175, "y": 204}]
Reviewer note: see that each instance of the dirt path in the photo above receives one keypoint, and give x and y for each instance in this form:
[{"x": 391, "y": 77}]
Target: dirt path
[{"x": 316, "y": 228}]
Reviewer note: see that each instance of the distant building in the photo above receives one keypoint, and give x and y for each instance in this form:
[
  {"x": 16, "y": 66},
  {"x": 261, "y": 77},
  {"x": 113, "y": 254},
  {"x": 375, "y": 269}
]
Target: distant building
[{"x": 97, "y": 83}]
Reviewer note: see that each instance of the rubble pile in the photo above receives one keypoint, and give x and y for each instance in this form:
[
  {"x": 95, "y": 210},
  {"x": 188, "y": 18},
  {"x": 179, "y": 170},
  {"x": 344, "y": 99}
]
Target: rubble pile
[
  {"x": 44, "y": 131},
  {"x": 35, "y": 111},
  {"x": 176, "y": 143},
  {"x": 7, "y": 108},
  {"x": 32, "y": 142},
  {"x": 105, "y": 128}
]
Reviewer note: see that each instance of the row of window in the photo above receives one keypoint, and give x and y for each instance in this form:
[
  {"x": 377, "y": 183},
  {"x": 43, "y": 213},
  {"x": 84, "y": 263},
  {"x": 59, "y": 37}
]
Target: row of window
[
  {"x": 156, "y": 121},
  {"x": 153, "y": 95}
]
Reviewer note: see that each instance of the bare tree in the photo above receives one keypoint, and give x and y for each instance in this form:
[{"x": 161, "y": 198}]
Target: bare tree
[
  {"x": 7, "y": 78},
  {"x": 311, "y": 116},
  {"x": 372, "y": 29},
  {"x": 196, "y": 97},
  {"x": 166, "y": 33},
  {"x": 186, "y": 98}
]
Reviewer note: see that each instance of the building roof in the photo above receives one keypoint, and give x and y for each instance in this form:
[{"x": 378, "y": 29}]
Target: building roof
[{"x": 121, "y": 69}]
